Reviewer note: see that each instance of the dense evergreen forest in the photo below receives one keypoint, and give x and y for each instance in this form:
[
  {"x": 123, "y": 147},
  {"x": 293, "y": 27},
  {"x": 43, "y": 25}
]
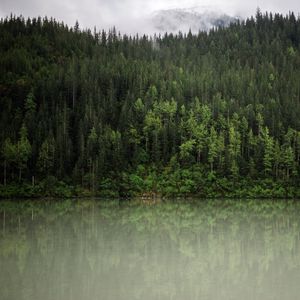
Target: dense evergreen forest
[{"x": 99, "y": 113}]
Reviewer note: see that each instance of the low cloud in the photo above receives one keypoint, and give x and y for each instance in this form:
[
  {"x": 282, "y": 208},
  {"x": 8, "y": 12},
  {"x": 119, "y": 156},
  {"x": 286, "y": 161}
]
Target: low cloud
[{"x": 131, "y": 15}]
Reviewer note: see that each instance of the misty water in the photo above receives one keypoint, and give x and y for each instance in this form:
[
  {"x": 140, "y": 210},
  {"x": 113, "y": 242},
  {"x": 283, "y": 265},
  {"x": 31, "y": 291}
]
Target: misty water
[{"x": 88, "y": 249}]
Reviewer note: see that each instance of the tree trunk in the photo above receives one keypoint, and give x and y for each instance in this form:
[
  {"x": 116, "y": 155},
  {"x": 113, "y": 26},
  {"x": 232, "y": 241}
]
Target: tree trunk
[
  {"x": 199, "y": 157},
  {"x": 4, "y": 173},
  {"x": 276, "y": 171},
  {"x": 73, "y": 96},
  {"x": 93, "y": 177}
]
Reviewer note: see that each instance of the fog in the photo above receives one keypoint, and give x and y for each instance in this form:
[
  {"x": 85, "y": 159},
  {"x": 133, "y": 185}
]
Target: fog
[{"x": 132, "y": 15}]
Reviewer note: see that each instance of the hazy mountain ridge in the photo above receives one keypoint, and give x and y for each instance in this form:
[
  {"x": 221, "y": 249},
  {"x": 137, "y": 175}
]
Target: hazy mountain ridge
[{"x": 174, "y": 20}]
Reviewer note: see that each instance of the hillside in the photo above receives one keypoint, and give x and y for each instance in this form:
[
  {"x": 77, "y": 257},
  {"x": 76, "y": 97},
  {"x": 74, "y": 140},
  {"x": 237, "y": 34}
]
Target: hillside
[
  {"x": 212, "y": 114},
  {"x": 175, "y": 20}
]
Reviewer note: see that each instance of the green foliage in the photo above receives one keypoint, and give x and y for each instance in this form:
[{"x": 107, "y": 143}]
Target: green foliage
[
  {"x": 46, "y": 156},
  {"x": 187, "y": 148},
  {"x": 108, "y": 188},
  {"x": 23, "y": 149},
  {"x": 191, "y": 111},
  {"x": 9, "y": 151},
  {"x": 212, "y": 147}
]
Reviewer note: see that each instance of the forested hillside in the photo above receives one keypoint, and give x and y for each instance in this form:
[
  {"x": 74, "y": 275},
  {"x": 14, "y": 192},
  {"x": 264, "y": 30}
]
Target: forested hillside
[{"x": 213, "y": 114}]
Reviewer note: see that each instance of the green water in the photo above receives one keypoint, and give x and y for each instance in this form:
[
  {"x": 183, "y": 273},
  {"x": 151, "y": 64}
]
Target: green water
[{"x": 86, "y": 250}]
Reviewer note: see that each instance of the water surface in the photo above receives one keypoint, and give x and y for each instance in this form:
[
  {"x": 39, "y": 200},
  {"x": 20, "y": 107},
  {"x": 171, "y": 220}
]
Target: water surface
[{"x": 86, "y": 249}]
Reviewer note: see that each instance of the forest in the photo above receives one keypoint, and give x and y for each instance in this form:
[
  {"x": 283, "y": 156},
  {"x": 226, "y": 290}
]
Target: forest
[{"x": 95, "y": 113}]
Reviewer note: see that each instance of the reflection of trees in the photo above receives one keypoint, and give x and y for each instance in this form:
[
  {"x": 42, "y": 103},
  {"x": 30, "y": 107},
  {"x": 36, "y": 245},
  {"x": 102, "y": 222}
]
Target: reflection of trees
[{"x": 192, "y": 250}]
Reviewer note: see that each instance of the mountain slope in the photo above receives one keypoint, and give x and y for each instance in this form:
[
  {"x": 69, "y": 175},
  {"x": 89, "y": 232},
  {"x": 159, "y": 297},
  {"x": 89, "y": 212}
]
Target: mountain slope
[
  {"x": 174, "y": 20},
  {"x": 208, "y": 114}
]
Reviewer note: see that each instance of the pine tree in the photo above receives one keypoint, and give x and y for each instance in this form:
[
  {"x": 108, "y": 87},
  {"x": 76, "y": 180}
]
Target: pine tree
[
  {"x": 212, "y": 147},
  {"x": 46, "y": 156},
  {"x": 268, "y": 145},
  {"x": 23, "y": 150}
]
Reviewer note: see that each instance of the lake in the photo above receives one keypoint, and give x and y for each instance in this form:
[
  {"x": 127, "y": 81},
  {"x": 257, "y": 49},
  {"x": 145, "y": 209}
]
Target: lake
[{"x": 200, "y": 249}]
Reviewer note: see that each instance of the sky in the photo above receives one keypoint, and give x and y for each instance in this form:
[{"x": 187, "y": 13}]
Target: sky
[{"x": 130, "y": 15}]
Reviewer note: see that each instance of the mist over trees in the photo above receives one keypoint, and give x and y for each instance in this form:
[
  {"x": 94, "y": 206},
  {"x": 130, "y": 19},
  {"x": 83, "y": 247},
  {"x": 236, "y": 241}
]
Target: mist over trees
[{"x": 210, "y": 114}]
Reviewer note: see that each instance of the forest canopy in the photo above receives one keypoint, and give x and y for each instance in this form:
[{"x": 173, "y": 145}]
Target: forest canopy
[{"x": 212, "y": 114}]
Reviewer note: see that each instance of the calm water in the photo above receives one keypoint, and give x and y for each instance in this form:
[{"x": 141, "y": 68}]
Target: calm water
[{"x": 90, "y": 250}]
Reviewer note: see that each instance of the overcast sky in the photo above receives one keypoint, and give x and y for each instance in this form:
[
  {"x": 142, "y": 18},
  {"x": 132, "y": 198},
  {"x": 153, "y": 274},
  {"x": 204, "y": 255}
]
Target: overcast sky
[{"x": 126, "y": 15}]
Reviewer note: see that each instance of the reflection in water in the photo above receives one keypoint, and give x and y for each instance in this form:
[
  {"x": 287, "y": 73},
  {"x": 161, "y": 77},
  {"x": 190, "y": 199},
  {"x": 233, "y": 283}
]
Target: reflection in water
[{"x": 112, "y": 250}]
